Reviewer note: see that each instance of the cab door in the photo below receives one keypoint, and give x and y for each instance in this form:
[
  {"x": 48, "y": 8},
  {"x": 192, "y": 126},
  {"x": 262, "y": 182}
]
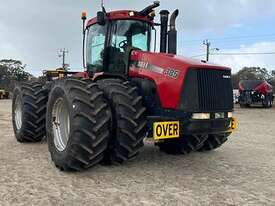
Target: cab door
[{"x": 96, "y": 42}]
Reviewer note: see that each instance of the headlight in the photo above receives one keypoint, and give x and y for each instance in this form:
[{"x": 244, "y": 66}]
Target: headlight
[
  {"x": 201, "y": 116},
  {"x": 230, "y": 114}
]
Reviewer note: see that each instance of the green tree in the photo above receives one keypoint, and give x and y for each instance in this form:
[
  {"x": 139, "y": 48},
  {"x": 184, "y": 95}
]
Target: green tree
[
  {"x": 253, "y": 73},
  {"x": 12, "y": 71},
  {"x": 272, "y": 80}
]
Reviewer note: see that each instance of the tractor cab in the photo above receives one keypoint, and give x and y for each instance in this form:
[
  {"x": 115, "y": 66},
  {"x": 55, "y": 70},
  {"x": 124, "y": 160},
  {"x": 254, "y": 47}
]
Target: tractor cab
[
  {"x": 109, "y": 45},
  {"x": 112, "y": 36}
]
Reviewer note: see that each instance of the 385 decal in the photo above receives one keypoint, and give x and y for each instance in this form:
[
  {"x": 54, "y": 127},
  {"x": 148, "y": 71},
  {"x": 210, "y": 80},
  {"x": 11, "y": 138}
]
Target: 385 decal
[
  {"x": 172, "y": 73},
  {"x": 145, "y": 65}
]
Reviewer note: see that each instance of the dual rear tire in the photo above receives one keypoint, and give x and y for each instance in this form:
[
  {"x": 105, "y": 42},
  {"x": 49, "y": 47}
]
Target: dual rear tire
[
  {"x": 187, "y": 144},
  {"x": 214, "y": 142},
  {"x": 29, "y": 107},
  {"x": 184, "y": 145}
]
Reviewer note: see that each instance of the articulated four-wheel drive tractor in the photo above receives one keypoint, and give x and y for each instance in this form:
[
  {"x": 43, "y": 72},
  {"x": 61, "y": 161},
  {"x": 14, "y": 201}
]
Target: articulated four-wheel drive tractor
[{"x": 127, "y": 93}]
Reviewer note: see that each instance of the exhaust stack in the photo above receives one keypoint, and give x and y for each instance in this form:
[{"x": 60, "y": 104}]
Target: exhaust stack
[
  {"x": 172, "y": 34},
  {"x": 164, "y": 15}
]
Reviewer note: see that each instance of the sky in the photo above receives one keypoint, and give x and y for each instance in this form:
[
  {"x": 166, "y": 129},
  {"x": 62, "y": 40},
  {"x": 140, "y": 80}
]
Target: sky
[{"x": 34, "y": 31}]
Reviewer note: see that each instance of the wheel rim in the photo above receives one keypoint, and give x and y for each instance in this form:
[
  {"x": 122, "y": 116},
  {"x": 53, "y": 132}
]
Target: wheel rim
[
  {"x": 61, "y": 124},
  {"x": 18, "y": 113}
]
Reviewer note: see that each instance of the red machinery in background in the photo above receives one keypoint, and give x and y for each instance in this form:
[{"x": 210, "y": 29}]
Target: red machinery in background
[{"x": 255, "y": 92}]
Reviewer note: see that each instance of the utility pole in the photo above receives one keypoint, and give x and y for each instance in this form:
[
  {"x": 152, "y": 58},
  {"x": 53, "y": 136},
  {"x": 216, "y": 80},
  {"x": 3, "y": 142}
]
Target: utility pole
[
  {"x": 207, "y": 44},
  {"x": 208, "y": 48},
  {"x": 62, "y": 54}
]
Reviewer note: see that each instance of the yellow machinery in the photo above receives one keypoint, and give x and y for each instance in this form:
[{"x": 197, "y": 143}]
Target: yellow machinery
[
  {"x": 56, "y": 74},
  {"x": 4, "y": 94}
]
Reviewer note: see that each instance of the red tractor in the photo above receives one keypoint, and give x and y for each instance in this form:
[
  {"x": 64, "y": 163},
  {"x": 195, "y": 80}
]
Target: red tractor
[
  {"x": 127, "y": 93},
  {"x": 255, "y": 92}
]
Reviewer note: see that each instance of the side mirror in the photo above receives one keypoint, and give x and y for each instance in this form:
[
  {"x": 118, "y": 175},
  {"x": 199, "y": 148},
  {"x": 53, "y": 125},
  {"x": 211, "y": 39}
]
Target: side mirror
[{"x": 101, "y": 18}]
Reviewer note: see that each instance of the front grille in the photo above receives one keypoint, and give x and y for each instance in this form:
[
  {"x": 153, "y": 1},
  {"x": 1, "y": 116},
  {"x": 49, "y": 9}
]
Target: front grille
[{"x": 207, "y": 90}]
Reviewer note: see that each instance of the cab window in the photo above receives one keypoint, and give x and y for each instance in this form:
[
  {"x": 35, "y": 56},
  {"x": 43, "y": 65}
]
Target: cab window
[{"x": 95, "y": 47}]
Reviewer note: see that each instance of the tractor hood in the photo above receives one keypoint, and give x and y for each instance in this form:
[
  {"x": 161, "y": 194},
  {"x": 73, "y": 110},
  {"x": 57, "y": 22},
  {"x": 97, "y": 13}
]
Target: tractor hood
[
  {"x": 169, "y": 72},
  {"x": 166, "y": 61}
]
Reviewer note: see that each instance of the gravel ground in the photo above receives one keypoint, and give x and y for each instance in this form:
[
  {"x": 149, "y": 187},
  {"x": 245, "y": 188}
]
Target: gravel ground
[{"x": 242, "y": 172}]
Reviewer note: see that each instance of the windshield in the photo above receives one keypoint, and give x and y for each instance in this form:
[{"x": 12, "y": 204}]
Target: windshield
[
  {"x": 126, "y": 35},
  {"x": 133, "y": 33}
]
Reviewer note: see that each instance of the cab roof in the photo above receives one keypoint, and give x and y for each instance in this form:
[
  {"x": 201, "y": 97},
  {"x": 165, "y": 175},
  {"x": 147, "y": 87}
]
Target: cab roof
[{"x": 122, "y": 15}]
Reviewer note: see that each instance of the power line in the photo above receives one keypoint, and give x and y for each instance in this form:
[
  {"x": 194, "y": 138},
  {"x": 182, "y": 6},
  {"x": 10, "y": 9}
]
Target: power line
[
  {"x": 236, "y": 54},
  {"x": 199, "y": 55},
  {"x": 245, "y": 53},
  {"x": 231, "y": 43},
  {"x": 232, "y": 38}
]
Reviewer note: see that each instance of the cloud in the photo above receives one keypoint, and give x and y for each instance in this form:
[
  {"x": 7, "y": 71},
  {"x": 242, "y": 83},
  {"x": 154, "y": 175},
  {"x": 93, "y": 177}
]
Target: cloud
[{"x": 237, "y": 62}]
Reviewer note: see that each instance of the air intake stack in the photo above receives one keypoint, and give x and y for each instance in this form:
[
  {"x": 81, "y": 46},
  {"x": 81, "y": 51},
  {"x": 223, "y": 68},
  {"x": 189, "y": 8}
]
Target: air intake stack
[
  {"x": 164, "y": 16},
  {"x": 172, "y": 34}
]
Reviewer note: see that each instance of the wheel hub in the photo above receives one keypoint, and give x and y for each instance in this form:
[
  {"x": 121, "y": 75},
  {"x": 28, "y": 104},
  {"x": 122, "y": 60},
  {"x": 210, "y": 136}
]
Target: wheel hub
[
  {"x": 60, "y": 124},
  {"x": 18, "y": 113}
]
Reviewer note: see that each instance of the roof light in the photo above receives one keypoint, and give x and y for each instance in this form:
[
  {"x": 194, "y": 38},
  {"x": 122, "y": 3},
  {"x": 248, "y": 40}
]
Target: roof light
[
  {"x": 84, "y": 15},
  {"x": 131, "y": 13}
]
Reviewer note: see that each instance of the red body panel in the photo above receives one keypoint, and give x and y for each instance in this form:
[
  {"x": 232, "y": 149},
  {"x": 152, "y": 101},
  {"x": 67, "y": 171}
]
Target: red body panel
[
  {"x": 169, "y": 89},
  {"x": 122, "y": 15},
  {"x": 241, "y": 88},
  {"x": 264, "y": 88},
  {"x": 81, "y": 75}
]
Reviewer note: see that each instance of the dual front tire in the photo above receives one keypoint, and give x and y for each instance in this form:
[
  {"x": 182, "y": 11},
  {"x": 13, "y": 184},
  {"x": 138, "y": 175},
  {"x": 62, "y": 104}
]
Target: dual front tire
[{"x": 78, "y": 120}]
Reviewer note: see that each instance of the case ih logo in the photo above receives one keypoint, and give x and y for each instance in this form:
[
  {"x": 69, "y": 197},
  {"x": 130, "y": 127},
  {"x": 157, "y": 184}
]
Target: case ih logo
[
  {"x": 170, "y": 73},
  {"x": 226, "y": 77},
  {"x": 143, "y": 64}
]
